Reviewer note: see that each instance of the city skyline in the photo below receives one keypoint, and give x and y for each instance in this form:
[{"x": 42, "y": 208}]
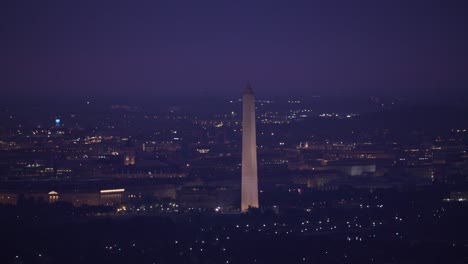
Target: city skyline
[
  {"x": 340, "y": 181},
  {"x": 130, "y": 133}
]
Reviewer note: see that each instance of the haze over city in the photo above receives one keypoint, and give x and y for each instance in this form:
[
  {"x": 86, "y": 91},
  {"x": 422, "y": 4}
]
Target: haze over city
[
  {"x": 332, "y": 47},
  {"x": 234, "y": 132}
]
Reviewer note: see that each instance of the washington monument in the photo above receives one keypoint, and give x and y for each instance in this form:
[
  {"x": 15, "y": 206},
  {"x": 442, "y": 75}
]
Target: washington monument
[{"x": 249, "y": 152}]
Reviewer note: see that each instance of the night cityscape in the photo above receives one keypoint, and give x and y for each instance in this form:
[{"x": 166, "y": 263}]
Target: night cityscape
[{"x": 234, "y": 132}]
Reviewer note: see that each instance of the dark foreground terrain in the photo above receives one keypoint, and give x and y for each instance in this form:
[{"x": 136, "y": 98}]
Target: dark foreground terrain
[{"x": 383, "y": 227}]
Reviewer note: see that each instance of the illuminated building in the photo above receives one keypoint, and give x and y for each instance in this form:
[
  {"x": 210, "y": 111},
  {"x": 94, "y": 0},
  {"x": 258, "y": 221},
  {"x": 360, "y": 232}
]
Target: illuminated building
[
  {"x": 129, "y": 158},
  {"x": 249, "y": 152},
  {"x": 53, "y": 196},
  {"x": 129, "y": 154},
  {"x": 111, "y": 197}
]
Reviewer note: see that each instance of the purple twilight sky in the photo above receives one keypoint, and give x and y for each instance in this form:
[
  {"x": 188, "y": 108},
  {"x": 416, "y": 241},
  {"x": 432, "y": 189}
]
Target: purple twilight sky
[{"x": 123, "y": 47}]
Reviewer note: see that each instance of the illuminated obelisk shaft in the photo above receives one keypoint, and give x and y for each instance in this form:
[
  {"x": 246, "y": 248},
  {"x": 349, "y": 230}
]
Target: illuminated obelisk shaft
[{"x": 249, "y": 152}]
